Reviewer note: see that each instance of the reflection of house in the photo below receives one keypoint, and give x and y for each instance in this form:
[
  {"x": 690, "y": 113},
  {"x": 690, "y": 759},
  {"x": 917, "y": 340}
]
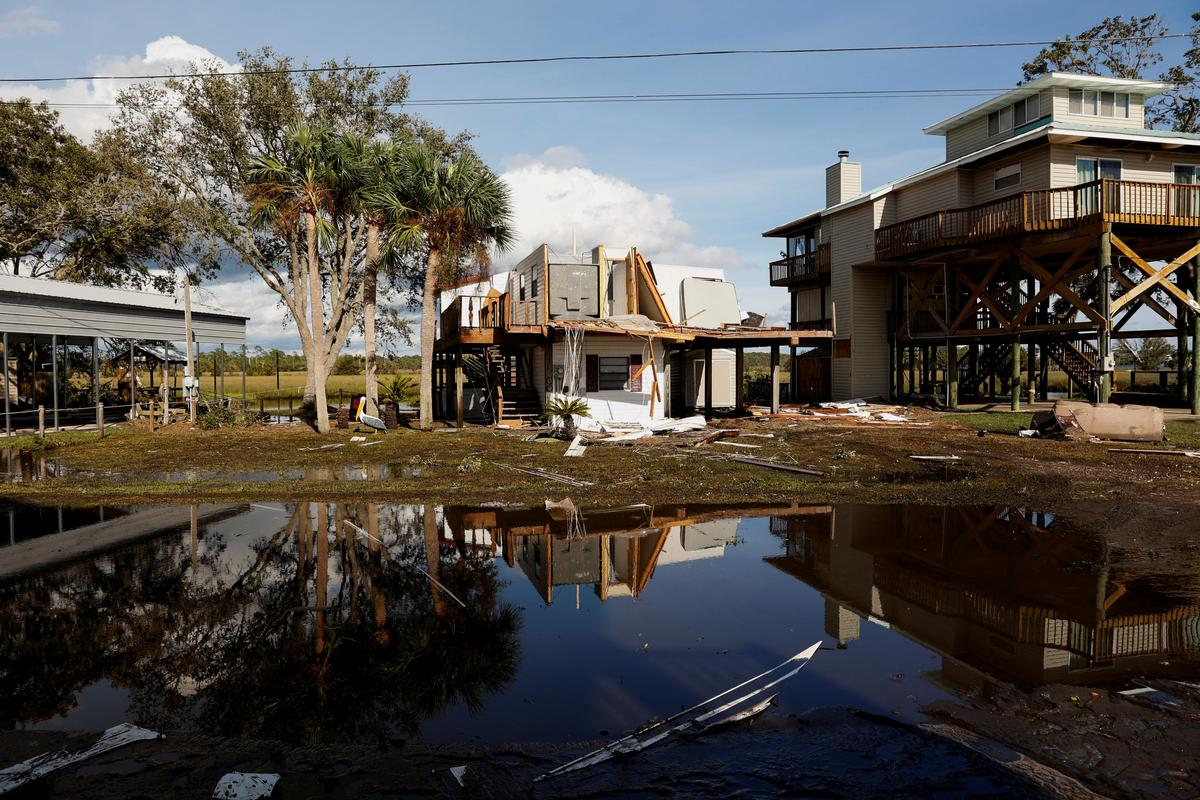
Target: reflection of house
[
  {"x": 616, "y": 551},
  {"x": 992, "y": 589},
  {"x": 639, "y": 341}
]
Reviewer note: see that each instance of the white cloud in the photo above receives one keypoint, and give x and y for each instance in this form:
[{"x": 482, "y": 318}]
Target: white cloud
[
  {"x": 555, "y": 194},
  {"x": 269, "y": 323},
  {"x": 163, "y": 55},
  {"x": 28, "y": 21}
]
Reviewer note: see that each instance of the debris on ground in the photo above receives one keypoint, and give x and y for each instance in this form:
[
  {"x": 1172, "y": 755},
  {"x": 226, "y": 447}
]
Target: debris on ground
[
  {"x": 576, "y": 447},
  {"x": 333, "y": 446},
  {"x": 246, "y": 785},
  {"x": 1076, "y": 419},
  {"x": 762, "y": 462},
  {"x": 1141, "y": 451},
  {"x": 935, "y": 458},
  {"x": 543, "y": 473},
  {"x": 697, "y": 719},
  {"x": 458, "y": 773},
  {"x": 31, "y": 769}
]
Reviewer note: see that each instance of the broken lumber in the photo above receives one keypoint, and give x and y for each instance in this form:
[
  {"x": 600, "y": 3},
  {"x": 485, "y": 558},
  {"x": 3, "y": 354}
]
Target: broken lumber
[
  {"x": 762, "y": 462},
  {"x": 1142, "y": 451},
  {"x": 538, "y": 472}
]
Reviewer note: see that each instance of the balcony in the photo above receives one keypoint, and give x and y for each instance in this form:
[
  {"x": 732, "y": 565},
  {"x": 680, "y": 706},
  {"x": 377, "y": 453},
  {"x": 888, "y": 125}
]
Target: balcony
[
  {"x": 1135, "y": 202},
  {"x": 472, "y": 311},
  {"x": 797, "y": 270}
]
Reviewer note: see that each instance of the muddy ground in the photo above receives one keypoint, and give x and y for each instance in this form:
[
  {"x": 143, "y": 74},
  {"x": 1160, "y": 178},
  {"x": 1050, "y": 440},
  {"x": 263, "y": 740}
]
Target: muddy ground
[
  {"x": 829, "y": 753},
  {"x": 1116, "y": 745}
]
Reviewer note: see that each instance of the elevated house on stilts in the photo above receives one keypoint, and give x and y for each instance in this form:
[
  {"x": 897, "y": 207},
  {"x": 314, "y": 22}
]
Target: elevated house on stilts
[
  {"x": 1056, "y": 218},
  {"x": 640, "y": 342}
]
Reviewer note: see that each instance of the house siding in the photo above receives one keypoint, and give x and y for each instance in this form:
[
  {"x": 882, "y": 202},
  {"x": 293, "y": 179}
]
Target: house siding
[
  {"x": 63, "y": 317},
  {"x": 973, "y": 134},
  {"x": 533, "y": 269},
  {"x": 928, "y": 196},
  {"x": 852, "y": 241},
  {"x": 1035, "y": 174},
  {"x": 1061, "y": 100},
  {"x": 1134, "y": 166},
  {"x": 618, "y": 405}
]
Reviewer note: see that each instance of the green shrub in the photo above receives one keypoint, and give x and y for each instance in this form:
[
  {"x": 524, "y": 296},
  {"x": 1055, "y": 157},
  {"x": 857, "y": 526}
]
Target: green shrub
[{"x": 221, "y": 417}]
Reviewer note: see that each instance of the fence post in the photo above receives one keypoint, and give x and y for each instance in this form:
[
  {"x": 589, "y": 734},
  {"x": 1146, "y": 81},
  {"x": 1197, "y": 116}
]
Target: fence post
[
  {"x": 41, "y": 421},
  {"x": 152, "y": 415},
  {"x": 100, "y": 419}
]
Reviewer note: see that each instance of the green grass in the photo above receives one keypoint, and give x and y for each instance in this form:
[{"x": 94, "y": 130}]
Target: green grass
[
  {"x": 1184, "y": 434},
  {"x": 999, "y": 421}
]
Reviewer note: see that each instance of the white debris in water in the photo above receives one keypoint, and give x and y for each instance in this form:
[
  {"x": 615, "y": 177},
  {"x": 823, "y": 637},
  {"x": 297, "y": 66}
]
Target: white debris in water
[
  {"x": 30, "y": 770},
  {"x": 246, "y": 785}
]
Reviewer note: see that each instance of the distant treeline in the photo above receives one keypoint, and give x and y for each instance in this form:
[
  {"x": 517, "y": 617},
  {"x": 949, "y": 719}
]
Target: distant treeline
[{"x": 263, "y": 362}]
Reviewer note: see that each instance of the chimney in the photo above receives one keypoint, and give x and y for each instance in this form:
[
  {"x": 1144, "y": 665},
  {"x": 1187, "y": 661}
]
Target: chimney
[{"x": 843, "y": 180}]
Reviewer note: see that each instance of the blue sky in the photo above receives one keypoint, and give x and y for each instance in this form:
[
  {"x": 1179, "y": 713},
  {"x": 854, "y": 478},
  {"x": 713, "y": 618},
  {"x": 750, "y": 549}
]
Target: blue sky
[{"x": 699, "y": 181}]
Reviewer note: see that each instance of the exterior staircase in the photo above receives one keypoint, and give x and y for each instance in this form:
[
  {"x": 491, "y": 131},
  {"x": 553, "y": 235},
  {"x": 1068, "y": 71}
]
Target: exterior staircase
[
  {"x": 1077, "y": 360},
  {"x": 518, "y": 407}
]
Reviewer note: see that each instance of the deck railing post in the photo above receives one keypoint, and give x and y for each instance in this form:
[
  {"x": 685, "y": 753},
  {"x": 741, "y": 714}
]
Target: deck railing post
[
  {"x": 7, "y": 390},
  {"x": 1104, "y": 297}
]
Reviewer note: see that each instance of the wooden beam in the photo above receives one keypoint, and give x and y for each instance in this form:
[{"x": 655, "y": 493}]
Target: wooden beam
[
  {"x": 1155, "y": 276},
  {"x": 774, "y": 379},
  {"x": 1036, "y": 270},
  {"x": 1047, "y": 287},
  {"x": 979, "y": 294},
  {"x": 1149, "y": 301}
]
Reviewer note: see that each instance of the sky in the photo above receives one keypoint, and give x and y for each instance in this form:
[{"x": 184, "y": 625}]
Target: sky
[{"x": 685, "y": 182}]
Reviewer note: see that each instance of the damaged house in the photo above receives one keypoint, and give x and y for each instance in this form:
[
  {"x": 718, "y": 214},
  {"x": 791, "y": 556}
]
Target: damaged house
[{"x": 638, "y": 341}]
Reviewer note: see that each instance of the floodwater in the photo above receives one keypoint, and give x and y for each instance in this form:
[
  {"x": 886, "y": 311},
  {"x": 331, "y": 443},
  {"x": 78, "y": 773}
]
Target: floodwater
[{"x": 316, "y": 622}]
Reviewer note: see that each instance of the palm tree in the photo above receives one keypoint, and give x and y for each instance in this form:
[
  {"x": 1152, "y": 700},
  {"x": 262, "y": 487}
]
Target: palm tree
[
  {"x": 304, "y": 186},
  {"x": 458, "y": 210}
]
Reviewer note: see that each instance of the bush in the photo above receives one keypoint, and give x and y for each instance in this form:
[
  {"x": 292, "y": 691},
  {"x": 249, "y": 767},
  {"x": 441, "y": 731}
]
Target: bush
[
  {"x": 348, "y": 364},
  {"x": 222, "y": 417}
]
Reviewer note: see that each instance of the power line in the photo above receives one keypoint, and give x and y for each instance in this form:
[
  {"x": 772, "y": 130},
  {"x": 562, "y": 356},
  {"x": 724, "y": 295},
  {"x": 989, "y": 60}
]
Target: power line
[
  {"x": 892, "y": 48},
  {"x": 832, "y": 94}
]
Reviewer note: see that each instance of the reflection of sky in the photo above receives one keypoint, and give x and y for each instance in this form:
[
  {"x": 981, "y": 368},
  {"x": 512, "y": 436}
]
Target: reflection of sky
[
  {"x": 700, "y": 626},
  {"x": 709, "y": 624}
]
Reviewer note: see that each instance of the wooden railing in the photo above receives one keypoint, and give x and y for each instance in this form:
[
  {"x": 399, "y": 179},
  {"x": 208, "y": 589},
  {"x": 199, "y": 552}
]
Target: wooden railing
[
  {"x": 1137, "y": 202},
  {"x": 795, "y": 269},
  {"x": 472, "y": 311}
]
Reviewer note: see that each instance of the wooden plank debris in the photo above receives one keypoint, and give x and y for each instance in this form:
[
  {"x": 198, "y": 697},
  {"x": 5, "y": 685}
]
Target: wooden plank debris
[
  {"x": 738, "y": 444},
  {"x": 935, "y": 458},
  {"x": 542, "y": 473},
  {"x": 1142, "y": 451},
  {"x": 762, "y": 462},
  {"x": 576, "y": 447}
]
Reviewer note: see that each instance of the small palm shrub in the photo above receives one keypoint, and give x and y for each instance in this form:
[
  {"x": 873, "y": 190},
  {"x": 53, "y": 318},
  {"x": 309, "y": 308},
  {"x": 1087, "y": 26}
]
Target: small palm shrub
[{"x": 564, "y": 410}]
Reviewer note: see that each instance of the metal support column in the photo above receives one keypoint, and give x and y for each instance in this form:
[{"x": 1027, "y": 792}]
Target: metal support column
[
  {"x": 54, "y": 377},
  {"x": 132, "y": 384},
  {"x": 7, "y": 390},
  {"x": 1104, "y": 298}
]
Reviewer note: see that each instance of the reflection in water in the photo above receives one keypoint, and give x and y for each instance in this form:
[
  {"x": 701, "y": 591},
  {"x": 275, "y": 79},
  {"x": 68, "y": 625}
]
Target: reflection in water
[
  {"x": 312, "y": 632},
  {"x": 1003, "y": 590},
  {"x": 319, "y": 622}
]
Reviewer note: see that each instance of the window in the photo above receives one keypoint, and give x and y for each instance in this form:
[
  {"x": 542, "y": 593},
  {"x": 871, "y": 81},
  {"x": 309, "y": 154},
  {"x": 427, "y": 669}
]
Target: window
[
  {"x": 614, "y": 372},
  {"x": 1090, "y": 169},
  {"x": 533, "y": 292},
  {"x": 1187, "y": 173},
  {"x": 1025, "y": 110},
  {"x": 521, "y": 287},
  {"x": 1091, "y": 103},
  {"x": 1007, "y": 177}
]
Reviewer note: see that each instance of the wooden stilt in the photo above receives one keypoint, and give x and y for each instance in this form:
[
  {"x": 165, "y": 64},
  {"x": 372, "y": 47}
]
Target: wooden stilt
[
  {"x": 774, "y": 378},
  {"x": 740, "y": 369},
  {"x": 1104, "y": 300},
  {"x": 708, "y": 383}
]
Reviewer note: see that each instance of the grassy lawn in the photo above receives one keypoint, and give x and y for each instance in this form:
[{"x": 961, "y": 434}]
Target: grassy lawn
[
  {"x": 862, "y": 464},
  {"x": 291, "y": 384}
]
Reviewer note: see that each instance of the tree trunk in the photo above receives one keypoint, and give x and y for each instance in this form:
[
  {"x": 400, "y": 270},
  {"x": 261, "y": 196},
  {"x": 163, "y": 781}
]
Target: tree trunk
[
  {"x": 317, "y": 366},
  {"x": 428, "y": 322},
  {"x": 370, "y": 279}
]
